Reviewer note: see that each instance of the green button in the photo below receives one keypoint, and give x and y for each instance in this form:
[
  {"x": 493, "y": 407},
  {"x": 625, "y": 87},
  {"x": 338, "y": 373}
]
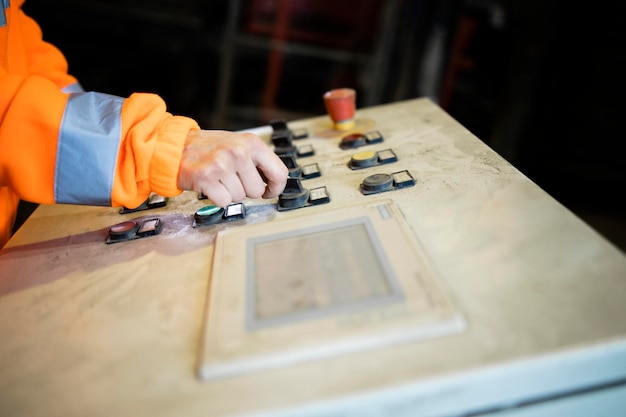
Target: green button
[{"x": 208, "y": 210}]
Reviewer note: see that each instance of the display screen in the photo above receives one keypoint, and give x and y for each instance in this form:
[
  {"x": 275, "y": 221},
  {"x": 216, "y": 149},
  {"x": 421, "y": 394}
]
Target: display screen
[{"x": 317, "y": 271}]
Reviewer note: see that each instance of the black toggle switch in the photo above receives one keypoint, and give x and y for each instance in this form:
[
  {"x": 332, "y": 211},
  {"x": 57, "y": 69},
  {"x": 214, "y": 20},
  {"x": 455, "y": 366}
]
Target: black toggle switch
[
  {"x": 282, "y": 138},
  {"x": 294, "y": 195},
  {"x": 295, "y": 170}
]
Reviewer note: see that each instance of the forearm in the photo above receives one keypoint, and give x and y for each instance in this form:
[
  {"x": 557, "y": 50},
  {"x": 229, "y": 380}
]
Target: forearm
[{"x": 87, "y": 148}]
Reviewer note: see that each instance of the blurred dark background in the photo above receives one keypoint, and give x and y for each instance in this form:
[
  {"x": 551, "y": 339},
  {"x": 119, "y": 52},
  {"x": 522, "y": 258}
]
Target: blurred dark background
[{"x": 539, "y": 81}]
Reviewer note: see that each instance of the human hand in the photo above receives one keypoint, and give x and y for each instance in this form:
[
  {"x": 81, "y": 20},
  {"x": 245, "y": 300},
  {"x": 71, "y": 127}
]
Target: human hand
[{"x": 229, "y": 166}]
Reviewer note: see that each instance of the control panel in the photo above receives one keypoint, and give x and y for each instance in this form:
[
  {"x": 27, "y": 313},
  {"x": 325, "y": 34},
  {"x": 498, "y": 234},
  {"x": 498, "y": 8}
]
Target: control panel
[{"x": 328, "y": 169}]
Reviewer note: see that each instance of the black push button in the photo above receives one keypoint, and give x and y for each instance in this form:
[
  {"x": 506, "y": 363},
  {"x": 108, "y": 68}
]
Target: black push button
[
  {"x": 364, "y": 159},
  {"x": 351, "y": 141},
  {"x": 355, "y": 140},
  {"x": 377, "y": 183}
]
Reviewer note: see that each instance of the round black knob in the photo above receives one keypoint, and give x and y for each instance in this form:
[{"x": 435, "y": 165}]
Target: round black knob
[{"x": 377, "y": 182}]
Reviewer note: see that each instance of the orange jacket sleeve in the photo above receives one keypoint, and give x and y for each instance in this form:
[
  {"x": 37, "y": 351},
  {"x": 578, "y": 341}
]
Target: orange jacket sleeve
[{"x": 79, "y": 148}]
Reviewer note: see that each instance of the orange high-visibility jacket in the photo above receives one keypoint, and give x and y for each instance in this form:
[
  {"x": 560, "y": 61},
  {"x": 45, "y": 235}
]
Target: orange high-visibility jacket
[{"x": 59, "y": 144}]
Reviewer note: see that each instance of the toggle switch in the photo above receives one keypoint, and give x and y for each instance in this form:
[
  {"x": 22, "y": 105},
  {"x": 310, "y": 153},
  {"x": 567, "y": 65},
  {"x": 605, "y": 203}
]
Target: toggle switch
[
  {"x": 282, "y": 138},
  {"x": 296, "y": 171},
  {"x": 280, "y": 125},
  {"x": 296, "y": 196}
]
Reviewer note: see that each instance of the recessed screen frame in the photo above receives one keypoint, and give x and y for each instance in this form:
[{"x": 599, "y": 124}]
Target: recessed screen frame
[{"x": 406, "y": 302}]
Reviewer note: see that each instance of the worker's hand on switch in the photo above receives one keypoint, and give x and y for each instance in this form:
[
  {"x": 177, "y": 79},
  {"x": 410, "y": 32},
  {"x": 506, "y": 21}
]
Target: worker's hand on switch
[{"x": 229, "y": 166}]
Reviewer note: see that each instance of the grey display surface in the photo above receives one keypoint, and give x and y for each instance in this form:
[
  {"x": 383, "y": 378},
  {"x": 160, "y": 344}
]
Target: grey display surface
[{"x": 317, "y": 271}]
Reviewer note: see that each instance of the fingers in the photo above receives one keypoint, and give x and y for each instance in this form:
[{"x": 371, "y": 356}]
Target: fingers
[
  {"x": 229, "y": 166},
  {"x": 245, "y": 181},
  {"x": 275, "y": 177},
  {"x": 218, "y": 194},
  {"x": 272, "y": 171}
]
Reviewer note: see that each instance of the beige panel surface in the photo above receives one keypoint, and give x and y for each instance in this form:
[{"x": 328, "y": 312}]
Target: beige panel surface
[{"x": 93, "y": 329}]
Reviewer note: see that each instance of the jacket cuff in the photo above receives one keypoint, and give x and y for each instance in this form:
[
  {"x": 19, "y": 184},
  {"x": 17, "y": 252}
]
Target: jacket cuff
[{"x": 168, "y": 151}]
